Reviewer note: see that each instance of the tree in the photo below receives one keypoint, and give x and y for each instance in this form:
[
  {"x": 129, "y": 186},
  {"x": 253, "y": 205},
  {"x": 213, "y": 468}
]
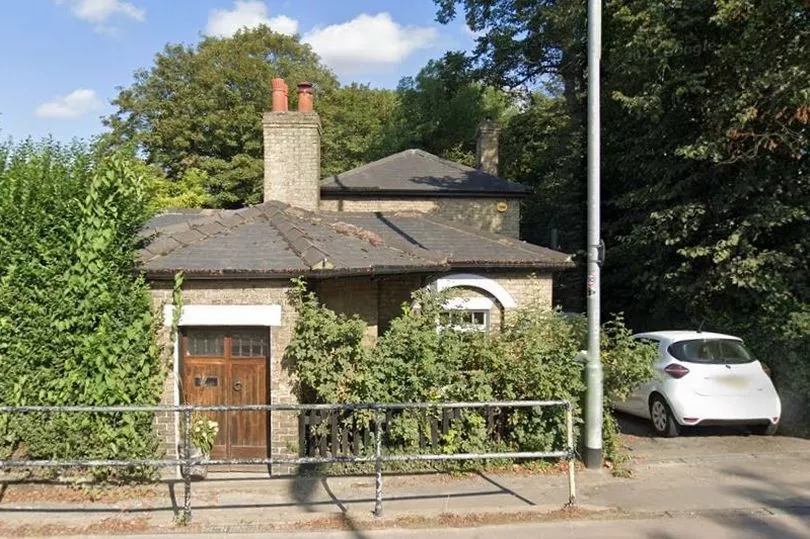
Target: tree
[
  {"x": 542, "y": 147},
  {"x": 689, "y": 103},
  {"x": 200, "y": 108},
  {"x": 440, "y": 109},
  {"x": 713, "y": 173},
  {"x": 356, "y": 119},
  {"x": 705, "y": 194}
]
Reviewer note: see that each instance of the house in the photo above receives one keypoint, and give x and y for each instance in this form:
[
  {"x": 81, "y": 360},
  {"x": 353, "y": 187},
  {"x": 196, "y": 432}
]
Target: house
[{"x": 365, "y": 239}]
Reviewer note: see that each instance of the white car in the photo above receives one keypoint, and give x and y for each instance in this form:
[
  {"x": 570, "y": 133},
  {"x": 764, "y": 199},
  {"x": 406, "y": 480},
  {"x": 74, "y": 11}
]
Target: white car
[{"x": 704, "y": 379}]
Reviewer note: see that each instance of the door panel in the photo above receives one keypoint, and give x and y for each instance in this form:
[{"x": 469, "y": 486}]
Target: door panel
[
  {"x": 229, "y": 366},
  {"x": 248, "y": 433},
  {"x": 204, "y": 383}
]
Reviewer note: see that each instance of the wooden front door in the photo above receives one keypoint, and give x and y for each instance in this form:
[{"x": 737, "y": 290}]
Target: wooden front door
[{"x": 229, "y": 366}]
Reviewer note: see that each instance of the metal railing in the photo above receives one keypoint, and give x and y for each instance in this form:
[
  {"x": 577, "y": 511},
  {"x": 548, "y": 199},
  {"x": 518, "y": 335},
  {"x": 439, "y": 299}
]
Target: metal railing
[{"x": 187, "y": 461}]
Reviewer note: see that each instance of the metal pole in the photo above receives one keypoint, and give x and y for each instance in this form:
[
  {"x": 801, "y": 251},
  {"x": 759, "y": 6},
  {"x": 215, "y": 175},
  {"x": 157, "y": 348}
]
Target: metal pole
[
  {"x": 378, "y": 464},
  {"x": 187, "y": 470},
  {"x": 593, "y": 370},
  {"x": 572, "y": 461}
]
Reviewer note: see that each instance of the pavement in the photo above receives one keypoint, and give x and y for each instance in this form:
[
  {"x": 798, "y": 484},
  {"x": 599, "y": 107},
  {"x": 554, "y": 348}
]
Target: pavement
[
  {"x": 700, "y": 485},
  {"x": 725, "y": 527}
]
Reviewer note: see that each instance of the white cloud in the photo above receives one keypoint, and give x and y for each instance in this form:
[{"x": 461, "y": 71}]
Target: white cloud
[
  {"x": 247, "y": 14},
  {"x": 100, "y": 11},
  {"x": 368, "y": 41},
  {"x": 77, "y": 103}
]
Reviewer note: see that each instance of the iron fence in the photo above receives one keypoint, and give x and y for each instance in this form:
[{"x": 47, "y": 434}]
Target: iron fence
[{"x": 186, "y": 460}]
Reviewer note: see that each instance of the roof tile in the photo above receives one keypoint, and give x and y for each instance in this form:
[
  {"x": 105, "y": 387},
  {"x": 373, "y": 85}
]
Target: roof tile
[
  {"x": 273, "y": 238},
  {"x": 419, "y": 171}
]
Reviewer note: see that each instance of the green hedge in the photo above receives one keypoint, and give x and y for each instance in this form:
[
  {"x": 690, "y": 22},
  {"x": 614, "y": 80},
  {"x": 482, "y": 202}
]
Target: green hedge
[{"x": 76, "y": 326}]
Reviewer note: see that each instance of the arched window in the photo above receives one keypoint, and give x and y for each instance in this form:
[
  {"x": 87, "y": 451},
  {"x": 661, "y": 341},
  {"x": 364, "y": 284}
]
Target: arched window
[{"x": 471, "y": 280}]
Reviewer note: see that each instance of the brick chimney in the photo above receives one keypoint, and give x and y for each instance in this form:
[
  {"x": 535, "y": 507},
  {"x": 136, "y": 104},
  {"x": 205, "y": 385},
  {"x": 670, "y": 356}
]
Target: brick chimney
[
  {"x": 292, "y": 149},
  {"x": 486, "y": 147}
]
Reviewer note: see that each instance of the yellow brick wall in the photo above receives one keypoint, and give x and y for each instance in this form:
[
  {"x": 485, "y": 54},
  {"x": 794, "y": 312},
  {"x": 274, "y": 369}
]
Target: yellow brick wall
[
  {"x": 353, "y": 295},
  {"x": 481, "y": 213},
  {"x": 528, "y": 289},
  {"x": 393, "y": 292}
]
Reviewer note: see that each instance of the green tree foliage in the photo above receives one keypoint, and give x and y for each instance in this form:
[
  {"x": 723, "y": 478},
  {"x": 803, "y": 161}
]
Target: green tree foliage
[
  {"x": 76, "y": 326},
  {"x": 725, "y": 205},
  {"x": 705, "y": 114},
  {"x": 196, "y": 115},
  {"x": 356, "y": 120},
  {"x": 531, "y": 358},
  {"x": 201, "y": 107},
  {"x": 189, "y": 191},
  {"x": 440, "y": 110},
  {"x": 542, "y": 147}
]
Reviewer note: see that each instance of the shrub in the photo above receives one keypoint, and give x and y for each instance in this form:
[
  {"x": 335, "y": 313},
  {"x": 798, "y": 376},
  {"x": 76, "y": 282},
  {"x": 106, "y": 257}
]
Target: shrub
[
  {"x": 76, "y": 324},
  {"x": 532, "y": 358}
]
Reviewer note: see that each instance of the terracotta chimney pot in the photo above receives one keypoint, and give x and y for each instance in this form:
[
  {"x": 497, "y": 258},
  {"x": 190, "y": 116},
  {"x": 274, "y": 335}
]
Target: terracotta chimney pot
[
  {"x": 306, "y": 97},
  {"x": 280, "y": 103}
]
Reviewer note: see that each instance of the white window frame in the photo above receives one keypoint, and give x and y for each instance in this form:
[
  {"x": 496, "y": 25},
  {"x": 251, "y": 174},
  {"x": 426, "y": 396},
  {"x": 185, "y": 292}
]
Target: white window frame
[
  {"x": 473, "y": 305},
  {"x": 469, "y": 326},
  {"x": 471, "y": 280}
]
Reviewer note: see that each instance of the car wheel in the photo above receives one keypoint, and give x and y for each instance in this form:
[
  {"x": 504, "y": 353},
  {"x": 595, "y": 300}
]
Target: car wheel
[
  {"x": 765, "y": 430},
  {"x": 663, "y": 421}
]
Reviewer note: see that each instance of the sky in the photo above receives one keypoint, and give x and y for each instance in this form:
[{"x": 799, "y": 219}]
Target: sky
[{"x": 63, "y": 60}]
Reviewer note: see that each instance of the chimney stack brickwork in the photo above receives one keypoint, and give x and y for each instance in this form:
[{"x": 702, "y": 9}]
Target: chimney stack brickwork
[
  {"x": 292, "y": 153},
  {"x": 487, "y": 147}
]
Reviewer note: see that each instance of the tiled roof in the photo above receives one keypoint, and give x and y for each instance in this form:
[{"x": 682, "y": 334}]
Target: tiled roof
[
  {"x": 414, "y": 171},
  {"x": 458, "y": 243},
  {"x": 276, "y": 240}
]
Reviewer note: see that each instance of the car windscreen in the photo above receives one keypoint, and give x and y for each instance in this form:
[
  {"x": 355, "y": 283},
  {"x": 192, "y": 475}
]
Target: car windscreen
[{"x": 711, "y": 351}]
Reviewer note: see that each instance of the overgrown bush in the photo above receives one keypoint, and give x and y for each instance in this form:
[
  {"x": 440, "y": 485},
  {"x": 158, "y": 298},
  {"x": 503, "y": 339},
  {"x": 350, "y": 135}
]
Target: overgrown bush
[
  {"x": 784, "y": 346},
  {"x": 532, "y": 357},
  {"x": 76, "y": 326}
]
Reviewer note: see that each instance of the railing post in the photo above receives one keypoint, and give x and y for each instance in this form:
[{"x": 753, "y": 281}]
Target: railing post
[
  {"x": 378, "y": 463},
  {"x": 187, "y": 470},
  {"x": 569, "y": 425}
]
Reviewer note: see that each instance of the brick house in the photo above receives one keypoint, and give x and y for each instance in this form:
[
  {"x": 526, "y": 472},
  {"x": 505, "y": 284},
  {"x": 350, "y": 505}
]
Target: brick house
[{"x": 365, "y": 240}]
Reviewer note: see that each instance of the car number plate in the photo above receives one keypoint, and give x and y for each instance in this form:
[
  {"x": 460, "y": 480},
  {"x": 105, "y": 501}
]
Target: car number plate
[{"x": 733, "y": 381}]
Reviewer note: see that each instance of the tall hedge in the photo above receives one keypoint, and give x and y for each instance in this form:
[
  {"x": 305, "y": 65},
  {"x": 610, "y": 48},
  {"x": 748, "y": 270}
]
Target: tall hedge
[{"x": 76, "y": 325}]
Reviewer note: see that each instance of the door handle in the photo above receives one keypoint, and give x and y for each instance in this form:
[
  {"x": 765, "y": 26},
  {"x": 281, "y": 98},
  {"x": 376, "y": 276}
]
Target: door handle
[{"x": 237, "y": 385}]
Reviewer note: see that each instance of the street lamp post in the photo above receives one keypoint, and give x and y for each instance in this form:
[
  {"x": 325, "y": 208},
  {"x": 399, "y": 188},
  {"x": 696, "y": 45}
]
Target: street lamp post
[{"x": 593, "y": 369}]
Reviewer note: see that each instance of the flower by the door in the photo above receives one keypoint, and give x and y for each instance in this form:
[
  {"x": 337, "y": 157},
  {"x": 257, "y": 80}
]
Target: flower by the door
[{"x": 203, "y": 432}]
